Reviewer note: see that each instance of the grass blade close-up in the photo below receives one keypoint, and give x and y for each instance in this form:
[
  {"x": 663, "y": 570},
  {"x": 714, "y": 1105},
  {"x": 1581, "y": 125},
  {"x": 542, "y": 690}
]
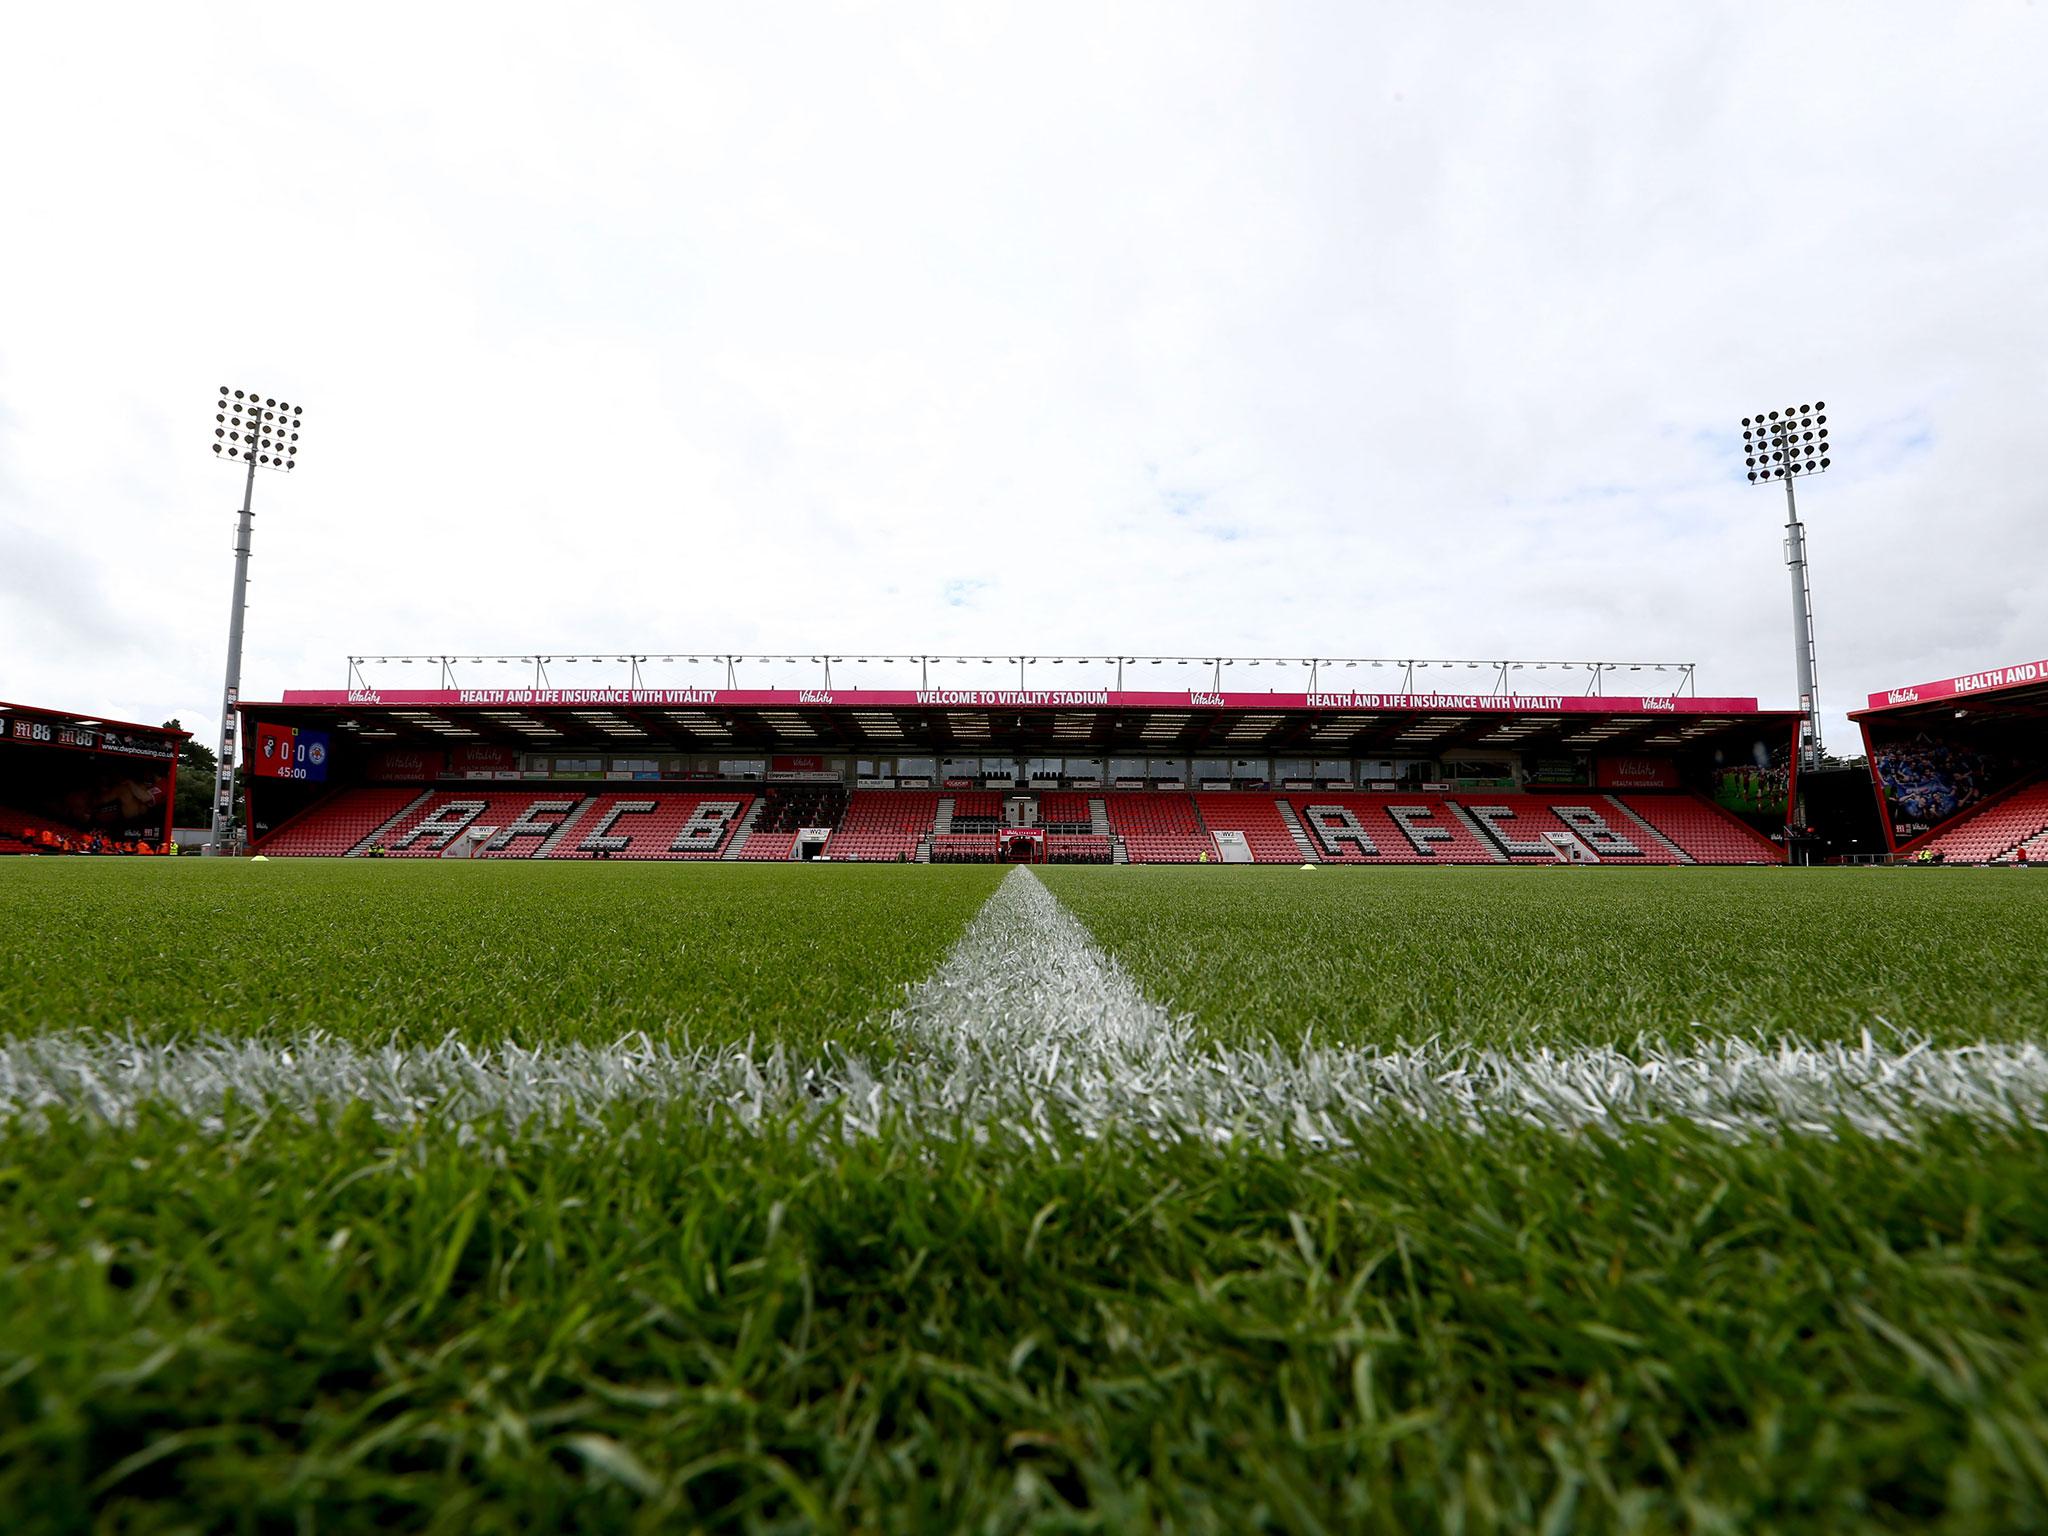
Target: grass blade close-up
[{"x": 913, "y": 1200}]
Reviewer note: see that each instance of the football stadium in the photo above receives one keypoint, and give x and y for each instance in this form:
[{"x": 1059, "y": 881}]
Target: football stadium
[
  {"x": 1023, "y": 775},
  {"x": 607, "y": 1088}
]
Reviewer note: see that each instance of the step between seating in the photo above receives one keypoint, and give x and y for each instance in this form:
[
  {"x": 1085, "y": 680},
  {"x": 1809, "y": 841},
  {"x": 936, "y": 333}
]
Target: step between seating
[
  {"x": 738, "y": 840},
  {"x": 1471, "y": 825},
  {"x": 1620, "y": 805},
  {"x": 554, "y": 839},
  {"x": 378, "y": 836},
  {"x": 1296, "y": 831}
]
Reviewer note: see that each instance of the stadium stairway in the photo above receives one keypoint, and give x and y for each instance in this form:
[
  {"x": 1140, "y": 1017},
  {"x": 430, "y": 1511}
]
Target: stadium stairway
[
  {"x": 1704, "y": 831},
  {"x": 342, "y": 825},
  {"x": 1644, "y": 829},
  {"x": 569, "y": 824},
  {"x": 743, "y": 831},
  {"x": 387, "y": 827},
  {"x": 1494, "y": 853},
  {"x": 539, "y": 823},
  {"x": 1601, "y": 823},
  {"x": 1292, "y": 822}
]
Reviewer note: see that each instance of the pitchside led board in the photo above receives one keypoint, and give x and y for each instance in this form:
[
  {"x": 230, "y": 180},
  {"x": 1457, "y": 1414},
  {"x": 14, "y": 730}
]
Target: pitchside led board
[{"x": 290, "y": 752}]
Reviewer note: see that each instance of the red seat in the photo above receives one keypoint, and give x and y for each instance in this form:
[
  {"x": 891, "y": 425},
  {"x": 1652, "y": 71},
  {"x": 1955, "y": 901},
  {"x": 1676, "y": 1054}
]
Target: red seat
[
  {"x": 1077, "y": 848},
  {"x": 880, "y": 824},
  {"x": 1993, "y": 832},
  {"x": 615, "y": 826},
  {"x": 1257, "y": 816},
  {"x": 963, "y": 848},
  {"x": 429, "y": 830},
  {"x": 1347, "y": 827},
  {"x": 1708, "y": 833},
  {"x": 337, "y": 824},
  {"x": 1158, "y": 828}
]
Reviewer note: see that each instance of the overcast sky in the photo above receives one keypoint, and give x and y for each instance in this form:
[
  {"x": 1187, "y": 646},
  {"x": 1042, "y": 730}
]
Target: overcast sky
[{"x": 1263, "y": 329}]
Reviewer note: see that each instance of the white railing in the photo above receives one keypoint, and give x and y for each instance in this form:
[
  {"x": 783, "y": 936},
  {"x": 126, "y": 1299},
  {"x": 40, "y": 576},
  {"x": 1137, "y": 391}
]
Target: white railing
[{"x": 784, "y": 670}]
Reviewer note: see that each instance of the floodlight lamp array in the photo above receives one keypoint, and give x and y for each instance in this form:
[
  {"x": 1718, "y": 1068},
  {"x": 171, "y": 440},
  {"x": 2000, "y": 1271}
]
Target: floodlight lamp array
[
  {"x": 256, "y": 429},
  {"x": 1777, "y": 445}
]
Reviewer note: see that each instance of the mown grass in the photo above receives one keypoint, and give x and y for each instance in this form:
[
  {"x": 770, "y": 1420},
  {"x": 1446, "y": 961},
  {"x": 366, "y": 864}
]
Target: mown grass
[
  {"x": 651, "y": 1322},
  {"x": 491, "y": 951},
  {"x": 1578, "y": 956},
  {"x": 664, "y": 1326}
]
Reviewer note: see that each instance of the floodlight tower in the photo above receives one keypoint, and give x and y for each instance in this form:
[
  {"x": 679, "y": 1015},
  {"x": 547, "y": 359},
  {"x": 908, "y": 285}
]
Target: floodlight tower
[
  {"x": 253, "y": 430},
  {"x": 1783, "y": 445}
]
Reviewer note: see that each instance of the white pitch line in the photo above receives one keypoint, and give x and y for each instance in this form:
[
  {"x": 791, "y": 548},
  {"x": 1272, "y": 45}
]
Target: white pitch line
[
  {"x": 1027, "y": 985},
  {"x": 1029, "y": 1027},
  {"x": 1314, "y": 1097}
]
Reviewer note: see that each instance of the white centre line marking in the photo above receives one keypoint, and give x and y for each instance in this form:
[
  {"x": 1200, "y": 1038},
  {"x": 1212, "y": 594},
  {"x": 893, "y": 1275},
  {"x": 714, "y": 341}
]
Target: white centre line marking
[{"x": 1027, "y": 1025}]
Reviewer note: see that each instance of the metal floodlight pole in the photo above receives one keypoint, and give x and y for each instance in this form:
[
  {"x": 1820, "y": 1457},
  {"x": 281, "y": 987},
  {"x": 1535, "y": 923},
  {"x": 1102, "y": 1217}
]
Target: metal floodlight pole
[
  {"x": 250, "y": 429},
  {"x": 1783, "y": 445}
]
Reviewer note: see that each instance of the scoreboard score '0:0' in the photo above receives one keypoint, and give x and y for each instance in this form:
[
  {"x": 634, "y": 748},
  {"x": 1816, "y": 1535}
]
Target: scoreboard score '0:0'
[{"x": 290, "y": 752}]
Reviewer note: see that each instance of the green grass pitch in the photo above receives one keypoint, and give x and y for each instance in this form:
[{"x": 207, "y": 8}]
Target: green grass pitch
[
  {"x": 486, "y": 950},
  {"x": 1561, "y": 956},
  {"x": 648, "y": 1320}
]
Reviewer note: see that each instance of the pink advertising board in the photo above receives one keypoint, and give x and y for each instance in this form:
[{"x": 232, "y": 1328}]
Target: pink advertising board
[
  {"x": 2017, "y": 676},
  {"x": 1007, "y": 698}
]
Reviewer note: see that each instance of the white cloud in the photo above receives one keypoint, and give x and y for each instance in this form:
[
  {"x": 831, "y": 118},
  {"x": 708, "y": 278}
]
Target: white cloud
[{"x": 1352, "y": 330}]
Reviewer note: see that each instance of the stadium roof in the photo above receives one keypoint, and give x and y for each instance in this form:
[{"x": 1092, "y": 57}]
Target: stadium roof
[
  {"x": 39, "y": 726},
  {"x": 1046, "y": 721},
  {"x": 2018, "y": 692}
]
